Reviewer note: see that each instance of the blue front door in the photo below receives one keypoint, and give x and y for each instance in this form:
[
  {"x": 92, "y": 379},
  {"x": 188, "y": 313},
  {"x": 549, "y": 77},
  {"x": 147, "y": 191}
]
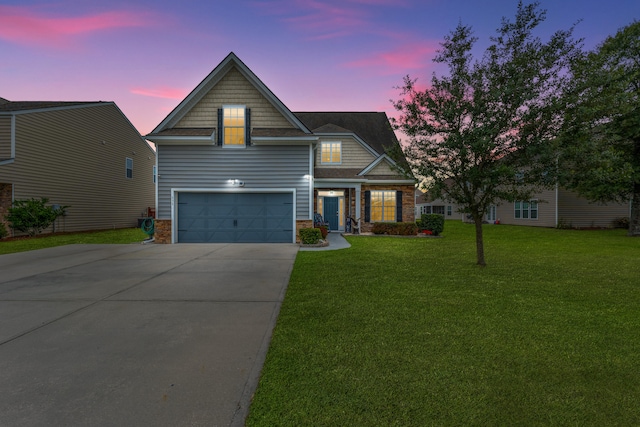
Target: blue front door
[{"x": 330, "y": 213}]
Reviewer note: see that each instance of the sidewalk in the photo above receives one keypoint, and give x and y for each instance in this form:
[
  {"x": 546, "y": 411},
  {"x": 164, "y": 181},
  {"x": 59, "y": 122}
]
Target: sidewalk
[{"x": 336, "y": 241}]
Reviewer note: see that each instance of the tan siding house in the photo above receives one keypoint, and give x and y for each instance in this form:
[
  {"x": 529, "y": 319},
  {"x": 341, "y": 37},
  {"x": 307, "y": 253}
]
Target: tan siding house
[
  {"x": 550, "y": 208},
  {"x": 85, "y": 155}
]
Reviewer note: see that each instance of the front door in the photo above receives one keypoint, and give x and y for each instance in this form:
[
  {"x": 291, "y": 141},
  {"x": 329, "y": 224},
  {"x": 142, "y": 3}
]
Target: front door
[{"x": 333, "y": 212}]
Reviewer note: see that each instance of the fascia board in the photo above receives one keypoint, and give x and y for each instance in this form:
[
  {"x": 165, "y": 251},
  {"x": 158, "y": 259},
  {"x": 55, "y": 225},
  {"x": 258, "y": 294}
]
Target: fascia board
[
  {"x": 182, "y": 140},
  {"x": 60, "y": 108},
  {"x": 262, "y": 140},
  {"x": 354, "y": 136},
  {"x": 375, "y": 163},
  {"x": 212, "y": 79}
]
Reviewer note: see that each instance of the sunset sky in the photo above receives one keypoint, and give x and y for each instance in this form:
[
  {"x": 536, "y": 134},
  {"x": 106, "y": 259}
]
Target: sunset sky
[{"x": 334, "y": 55}]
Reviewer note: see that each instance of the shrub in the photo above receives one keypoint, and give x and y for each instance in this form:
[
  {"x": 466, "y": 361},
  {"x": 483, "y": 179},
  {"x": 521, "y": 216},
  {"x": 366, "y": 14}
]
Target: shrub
[
  {"x": 433, "y": 223},
  {"x": 32, "y": 215},
  {"x": 324, "y": 231},
  {"x": 3, "y": 230},
  {"x": 310, "y": 236},
  {"x": 395, "y": 228},
  {"x": 622, "y": 222}
]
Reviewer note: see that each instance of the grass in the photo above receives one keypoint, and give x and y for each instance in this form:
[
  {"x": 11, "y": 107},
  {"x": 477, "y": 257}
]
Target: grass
[
  {"x": 124, "y": 235},
  {"x": 410, "y": 332}
]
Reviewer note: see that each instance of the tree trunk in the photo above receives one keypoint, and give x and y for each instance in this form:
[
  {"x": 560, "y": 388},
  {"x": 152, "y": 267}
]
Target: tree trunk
[
  {"x": 477, "y": 219},
  {"x": 634, "y": 218}
]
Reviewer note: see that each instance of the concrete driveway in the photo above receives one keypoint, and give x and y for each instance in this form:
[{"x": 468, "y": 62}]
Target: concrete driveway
[{"x": 144, "y": 335}]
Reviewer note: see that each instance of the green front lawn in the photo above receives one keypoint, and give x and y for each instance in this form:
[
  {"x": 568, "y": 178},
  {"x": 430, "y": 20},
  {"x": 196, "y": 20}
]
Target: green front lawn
[
  {"x": 410, "y": 332},
  {"x": 123, "y": 235}
]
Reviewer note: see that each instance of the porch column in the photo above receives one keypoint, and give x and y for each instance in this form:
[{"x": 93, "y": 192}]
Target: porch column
[{"x": 357, "y": 213}]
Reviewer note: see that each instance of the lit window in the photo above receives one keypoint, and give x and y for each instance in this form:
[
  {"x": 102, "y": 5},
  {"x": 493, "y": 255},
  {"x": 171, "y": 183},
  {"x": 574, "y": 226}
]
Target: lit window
[
  {"x": 331, "y": 152},
  {"x": 234, "y": 125},
  {"x": 129, "y": 166},
  {"x": 383, "y": 206},
  {"x": 526, "y": 209}
]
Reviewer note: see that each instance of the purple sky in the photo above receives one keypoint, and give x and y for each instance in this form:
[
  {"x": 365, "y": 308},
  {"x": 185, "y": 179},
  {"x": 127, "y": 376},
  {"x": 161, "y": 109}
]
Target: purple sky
[{"x": 334, "y": 55}]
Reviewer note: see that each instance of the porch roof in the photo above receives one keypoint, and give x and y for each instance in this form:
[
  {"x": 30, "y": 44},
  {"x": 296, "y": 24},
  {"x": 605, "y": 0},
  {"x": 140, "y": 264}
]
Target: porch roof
[{"x": 352, "y": 173}]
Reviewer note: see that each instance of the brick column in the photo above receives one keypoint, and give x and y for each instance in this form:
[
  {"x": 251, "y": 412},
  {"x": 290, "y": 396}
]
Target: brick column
[
  {"x": 162, "y": 231},
  {"x": 302, "y": 223}
]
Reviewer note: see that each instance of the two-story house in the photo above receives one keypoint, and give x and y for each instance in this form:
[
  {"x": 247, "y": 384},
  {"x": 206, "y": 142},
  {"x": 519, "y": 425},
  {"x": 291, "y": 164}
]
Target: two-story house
[
  {"x": 84, "y": 155},
  {"x": 236, "y": 165}
]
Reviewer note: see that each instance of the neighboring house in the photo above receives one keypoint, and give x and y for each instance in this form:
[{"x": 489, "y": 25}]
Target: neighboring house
[
  {"x": 236, "y": 165},
  {"x": 424, "y": 205},
  {"x": 550, "y": 208},
  {"x": 85, "y": 155}
]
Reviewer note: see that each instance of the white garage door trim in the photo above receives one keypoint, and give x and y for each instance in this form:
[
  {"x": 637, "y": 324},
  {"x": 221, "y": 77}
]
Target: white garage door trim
[{"x": 174, "y": 205}]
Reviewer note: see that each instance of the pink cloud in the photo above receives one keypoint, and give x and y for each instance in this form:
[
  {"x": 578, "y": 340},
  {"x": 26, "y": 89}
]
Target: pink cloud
[
  {"x": 322, "y": 19},
  {"x": 326, "y": 20},
  {"x": 161, "y": 92},
  {"x": 406, "y": 58},
  {"x": 24, "y": 25}
]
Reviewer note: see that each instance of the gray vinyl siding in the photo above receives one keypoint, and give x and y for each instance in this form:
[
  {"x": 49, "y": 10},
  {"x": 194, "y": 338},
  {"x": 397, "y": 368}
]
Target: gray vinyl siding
[
  {"x": 212, "y": 167},
  {"x": 5, "y": 137},
  {"x": 546, "y": 211},
  {"x": 577, "y": 212},
  {"x": 76, "y": 157}
]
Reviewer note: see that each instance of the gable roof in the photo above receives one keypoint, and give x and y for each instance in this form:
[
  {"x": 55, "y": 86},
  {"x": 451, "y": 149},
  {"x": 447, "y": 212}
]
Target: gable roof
[
  {"x": 211, "y": 80},
  {"x": 372, "y": 127}
]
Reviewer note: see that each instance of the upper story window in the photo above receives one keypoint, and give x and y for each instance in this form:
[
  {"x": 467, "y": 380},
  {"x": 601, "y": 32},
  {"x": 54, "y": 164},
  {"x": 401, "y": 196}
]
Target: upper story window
[
  {"x": 331, "y": 152},
  {"x": 234, "y": 125},
  {"x": 129, "y": 166}
]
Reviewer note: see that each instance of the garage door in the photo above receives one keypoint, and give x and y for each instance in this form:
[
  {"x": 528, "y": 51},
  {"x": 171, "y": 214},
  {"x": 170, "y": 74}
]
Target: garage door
[{"x": 235, "y": 217}]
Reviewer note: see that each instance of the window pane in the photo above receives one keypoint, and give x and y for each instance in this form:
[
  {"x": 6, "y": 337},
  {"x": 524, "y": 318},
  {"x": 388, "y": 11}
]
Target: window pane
[
  {"x": 233, "y": 125},
  {"x": 234, "y": 136},
  {"x": 534, "y": 209},
  {"x": 326, "y": 153},
  {"x": 335, "y": 152},
  {"x": 383, "y": 206},
  {"x": 376, "y": 206},
  {"x": 330, "y": 152}
]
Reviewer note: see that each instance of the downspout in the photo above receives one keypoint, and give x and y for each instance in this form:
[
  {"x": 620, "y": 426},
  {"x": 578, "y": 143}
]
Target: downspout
[
  {"x": 557, "y": 204},
  {"x": 311, "y": 177}
]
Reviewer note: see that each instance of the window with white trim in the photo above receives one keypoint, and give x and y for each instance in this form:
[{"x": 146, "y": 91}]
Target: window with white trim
[
  {"x": 525, "y": 209},
  {"x": 331, "y": 152},
  {"x": 234, "y": 125},
  {"x": 129, "y": 167},
  {"x": 383, "y": 206}
]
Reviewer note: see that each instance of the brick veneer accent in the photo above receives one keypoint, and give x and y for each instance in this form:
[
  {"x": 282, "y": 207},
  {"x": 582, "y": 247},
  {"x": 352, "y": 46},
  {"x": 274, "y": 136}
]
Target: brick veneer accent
[
  {"x": 408, "y": 203},
  {"x": 5, "y": 203},
  {"x": 302, "y": 223},
  {"x": 162, "y": 231}
]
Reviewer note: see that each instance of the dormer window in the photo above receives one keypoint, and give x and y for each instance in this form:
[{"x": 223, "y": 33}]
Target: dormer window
[
  {"x": 331, "y": 152},
  {"x": 234, "y": 125}
]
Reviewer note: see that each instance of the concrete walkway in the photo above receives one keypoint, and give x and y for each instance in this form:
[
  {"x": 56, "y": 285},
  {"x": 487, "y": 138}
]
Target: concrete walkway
[
  {"x": 336, "y": 241},
  {"x": 144, "y": 335}
]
